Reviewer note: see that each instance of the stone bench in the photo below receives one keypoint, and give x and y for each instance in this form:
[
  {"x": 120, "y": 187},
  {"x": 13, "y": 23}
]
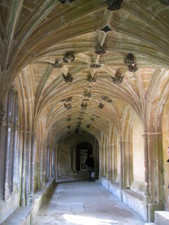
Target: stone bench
[{"x": 21, "y": 215}]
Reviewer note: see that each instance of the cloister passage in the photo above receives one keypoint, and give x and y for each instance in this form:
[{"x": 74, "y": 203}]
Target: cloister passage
[
  {"x": 80, "y": 77},
  {"x": 84, "y": 203}
]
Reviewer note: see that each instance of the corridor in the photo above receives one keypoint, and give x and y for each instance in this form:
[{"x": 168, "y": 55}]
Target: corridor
[
  {"x": 84, "y": 203},
  {"x": 81, "y": 78}
]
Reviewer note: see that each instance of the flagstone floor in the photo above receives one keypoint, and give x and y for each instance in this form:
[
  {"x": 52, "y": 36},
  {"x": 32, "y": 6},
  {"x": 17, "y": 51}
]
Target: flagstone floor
[{"x": 84, "y": 203}]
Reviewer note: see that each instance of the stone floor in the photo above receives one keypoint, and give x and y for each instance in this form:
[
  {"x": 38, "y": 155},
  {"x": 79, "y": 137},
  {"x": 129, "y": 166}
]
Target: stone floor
[{"x": 84, "y": 203}]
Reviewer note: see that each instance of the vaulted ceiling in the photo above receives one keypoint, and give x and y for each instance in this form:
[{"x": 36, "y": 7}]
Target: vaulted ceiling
[{"x": 84, "y": 62}]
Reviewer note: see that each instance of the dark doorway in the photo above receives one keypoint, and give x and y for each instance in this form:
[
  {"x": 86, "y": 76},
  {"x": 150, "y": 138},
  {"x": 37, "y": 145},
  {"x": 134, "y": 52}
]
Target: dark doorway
[{"x": 83, "y": 150}]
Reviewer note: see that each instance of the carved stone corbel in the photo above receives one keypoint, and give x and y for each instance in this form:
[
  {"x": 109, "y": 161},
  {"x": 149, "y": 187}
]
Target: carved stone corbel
[
  {"x": 90, "y": 78},
  {"x": 67, "y": 78},
  {"x": 133, "y": 68},
  {"x": 68, "y": 57},
  {"x": 57, "y": 64},
  {"x": 130, "y": 61},
  {"x": 68, "y": 106},
  {"x": 101, "y": 105},
  {"x": 84, "y": 105},
  {"x": 95, "y": 66},
  {"x": 118, "y": 78},
  {"x": 87, "y": 93}
]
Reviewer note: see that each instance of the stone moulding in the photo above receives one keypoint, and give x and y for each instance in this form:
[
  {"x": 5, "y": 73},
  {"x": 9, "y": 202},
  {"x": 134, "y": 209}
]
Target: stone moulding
[
  {"x": 65, "y": 1},
  {"x": 69, "y": 99},
  {"x": 106, "y": 29},
  {"x": 95, "y": 66},
  {"x": 114, "y": 4},
  {"x": 165, "y": 2}
]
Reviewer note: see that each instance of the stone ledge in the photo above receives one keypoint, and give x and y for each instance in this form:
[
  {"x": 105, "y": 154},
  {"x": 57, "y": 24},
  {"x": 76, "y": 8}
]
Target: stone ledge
[
  {"x": 162, "y": 217},
  {"x": 135, "y": 201},
  {"x": 149, "y": 224},
  {"x": 20, "y": 216},
  {"x": 129, "y": 197},
  {"x": 134, "y": 194},
  {"x": 25, "y": 215},
  {"x": 8, "y": 206}
]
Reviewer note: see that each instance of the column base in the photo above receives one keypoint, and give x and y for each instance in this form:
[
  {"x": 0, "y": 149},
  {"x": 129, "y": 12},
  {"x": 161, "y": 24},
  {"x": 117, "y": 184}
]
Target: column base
[{"x": 152, "y": 207}]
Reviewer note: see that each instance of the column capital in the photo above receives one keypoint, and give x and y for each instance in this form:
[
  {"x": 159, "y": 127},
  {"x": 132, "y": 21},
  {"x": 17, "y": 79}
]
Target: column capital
[
  {"x": 124, "y": 142},
  {"x": 151, "y": 133},
  {"x": 28, "y": 132}
]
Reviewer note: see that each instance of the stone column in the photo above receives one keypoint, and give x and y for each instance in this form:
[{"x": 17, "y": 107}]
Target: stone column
[
  {"x": 146, "y": 166},
  {"x": 45, "y": 178},
  {"x": 48, "y": 163},
  {"x": 28, "y": 165},
  {"x": 43, "y": 164},
  {"x": 32, "y": 168},
  {"x": 103, "y": 158},
  {"x": 38, "y": 166},
  {"x": 101, "y": 172},
  {"x": 127, "y": 166},
  {"x": 153, "y": 172},
  {"x": 109, "y": 162},
  {"x": 8, "y": 158},
  {"x": 19, "y": 150},
  {"x": 51, "y": 163},
  {"x": 23, "y": 171},
  {"x": 114, "y": 158},
  {"x": 106, "y": 161},
  {"x": 53, "y": 170},
  {"x": 2, "y": 149},
  {"x": 25, "y": 181},
  {"x": 16, "y": 176},
  {"x": 121, "y": 164}
]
